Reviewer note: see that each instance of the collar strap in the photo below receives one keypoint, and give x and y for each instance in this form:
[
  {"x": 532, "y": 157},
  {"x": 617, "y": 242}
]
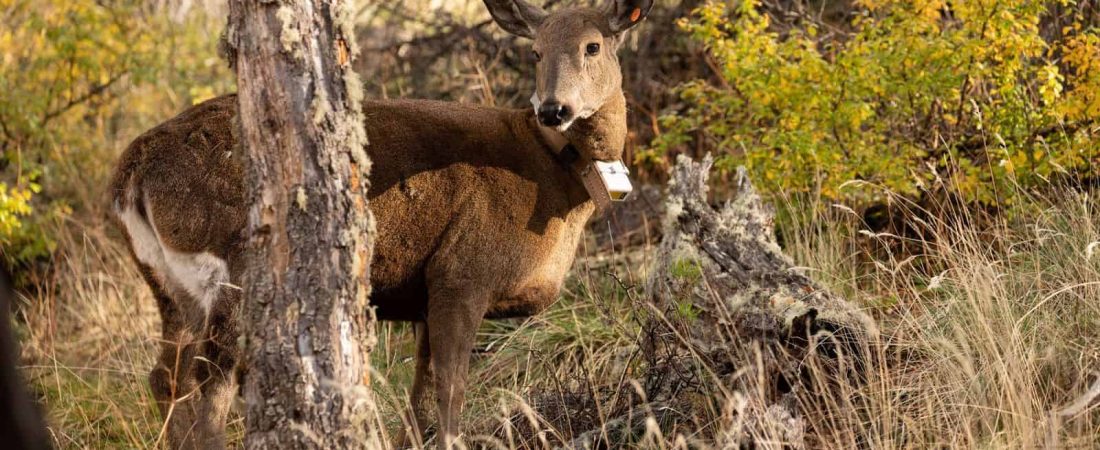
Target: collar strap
[
  {"x": 583, "y": 168},
  {"x": 568, "y": 155}
]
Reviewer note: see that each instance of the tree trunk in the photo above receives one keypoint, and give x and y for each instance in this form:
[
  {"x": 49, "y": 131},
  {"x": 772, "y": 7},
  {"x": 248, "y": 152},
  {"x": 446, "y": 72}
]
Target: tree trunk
[{"x": 309, "y": 234}]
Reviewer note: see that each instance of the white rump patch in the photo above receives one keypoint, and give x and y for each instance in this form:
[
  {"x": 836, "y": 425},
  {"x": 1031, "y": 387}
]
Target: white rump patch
[
  {"x": 142, "y": 239},
  {"x": 200, "y": 275}
]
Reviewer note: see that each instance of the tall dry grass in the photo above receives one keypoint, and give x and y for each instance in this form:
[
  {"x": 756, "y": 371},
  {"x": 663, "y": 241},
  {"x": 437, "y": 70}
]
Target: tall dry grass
[
  {"x": 989, "y": 337},
  {"x": 990, "y": 325}
]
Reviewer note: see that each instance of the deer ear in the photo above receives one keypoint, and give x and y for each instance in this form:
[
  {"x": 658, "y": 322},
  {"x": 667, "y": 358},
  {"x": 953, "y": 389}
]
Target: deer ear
[
  {"x": 624, "y": 14},
  {"x": 516, "y": 16}
]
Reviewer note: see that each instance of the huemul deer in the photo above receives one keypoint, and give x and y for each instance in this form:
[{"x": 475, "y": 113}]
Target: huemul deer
[{"x": 479, "y": 213}]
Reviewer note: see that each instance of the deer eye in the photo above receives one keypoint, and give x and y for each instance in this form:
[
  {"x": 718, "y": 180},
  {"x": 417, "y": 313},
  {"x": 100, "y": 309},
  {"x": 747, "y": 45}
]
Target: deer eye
[
  {"x": 592, "y": 49},
  {"x": 537, "y": 56}
]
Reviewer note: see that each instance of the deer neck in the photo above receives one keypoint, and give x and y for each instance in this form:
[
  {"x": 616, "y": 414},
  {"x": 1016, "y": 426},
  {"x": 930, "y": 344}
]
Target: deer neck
[{"x": 602, "y": 135}]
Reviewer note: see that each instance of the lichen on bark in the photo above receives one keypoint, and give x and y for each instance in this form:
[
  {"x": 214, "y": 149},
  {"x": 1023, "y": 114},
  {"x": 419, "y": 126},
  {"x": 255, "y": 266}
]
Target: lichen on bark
[
  {"x": 310, "y": 233},
  {"x": 755, "y": 317},
  {"x": 289, "y": 35}
]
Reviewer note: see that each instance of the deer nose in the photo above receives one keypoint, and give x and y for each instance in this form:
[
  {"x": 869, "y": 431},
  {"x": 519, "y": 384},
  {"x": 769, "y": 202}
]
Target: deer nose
[{"x": 553, "y": 114}]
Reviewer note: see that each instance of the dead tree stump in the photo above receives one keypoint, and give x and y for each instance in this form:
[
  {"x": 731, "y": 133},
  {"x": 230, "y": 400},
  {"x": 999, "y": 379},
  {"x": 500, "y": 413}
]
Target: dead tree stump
[{"x": 738, "y": 322}]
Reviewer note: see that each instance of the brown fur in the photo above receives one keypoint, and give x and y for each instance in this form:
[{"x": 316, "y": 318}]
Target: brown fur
[{"x": 477, "y": 218}]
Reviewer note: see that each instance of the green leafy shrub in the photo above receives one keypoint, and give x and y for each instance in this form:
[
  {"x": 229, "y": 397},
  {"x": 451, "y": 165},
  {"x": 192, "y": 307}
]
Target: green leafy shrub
[
  {"x": 14, "y": 204},
  {"x": 916, "y": 93},
  {"x": 79, "y": 80}
]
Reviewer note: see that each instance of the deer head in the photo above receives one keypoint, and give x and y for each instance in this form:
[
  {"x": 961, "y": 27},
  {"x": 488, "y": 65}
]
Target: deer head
[{"x": 578, "y": 69}]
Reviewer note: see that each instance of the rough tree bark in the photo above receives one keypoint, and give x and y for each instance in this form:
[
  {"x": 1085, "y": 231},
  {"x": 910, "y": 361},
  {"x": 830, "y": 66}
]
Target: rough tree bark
[{"x": 306, "y": 320}]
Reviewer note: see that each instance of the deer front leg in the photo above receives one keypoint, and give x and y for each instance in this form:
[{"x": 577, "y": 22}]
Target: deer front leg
[
  {"x": 453, "y": 318},
  {"x": 422, "y": 379}
]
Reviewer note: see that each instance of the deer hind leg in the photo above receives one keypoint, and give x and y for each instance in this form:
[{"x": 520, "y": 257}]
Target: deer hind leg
[
  {"x": 216, "y": 371},
  {"x": 422, "y": 381},
  {"x": 172, "y": 381},
  {"x": 453, "y": 318},
  {"x": 187, "y": 287},
  {"x": 194, "y": 381}
]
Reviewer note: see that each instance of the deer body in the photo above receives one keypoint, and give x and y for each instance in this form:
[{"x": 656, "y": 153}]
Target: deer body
[
  {"x": 463, "y": 188},
  {"x": 478, "y": 216},
  {"x": 456, "y": 201}
]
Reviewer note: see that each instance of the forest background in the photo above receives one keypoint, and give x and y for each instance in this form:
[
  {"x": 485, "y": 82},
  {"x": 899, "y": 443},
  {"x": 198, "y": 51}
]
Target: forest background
[{"x": 936, "y": 162}]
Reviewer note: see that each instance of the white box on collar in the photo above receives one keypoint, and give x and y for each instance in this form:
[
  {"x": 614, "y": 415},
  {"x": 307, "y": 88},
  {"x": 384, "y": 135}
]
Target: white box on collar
[{"x": 616, "y": 179}]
